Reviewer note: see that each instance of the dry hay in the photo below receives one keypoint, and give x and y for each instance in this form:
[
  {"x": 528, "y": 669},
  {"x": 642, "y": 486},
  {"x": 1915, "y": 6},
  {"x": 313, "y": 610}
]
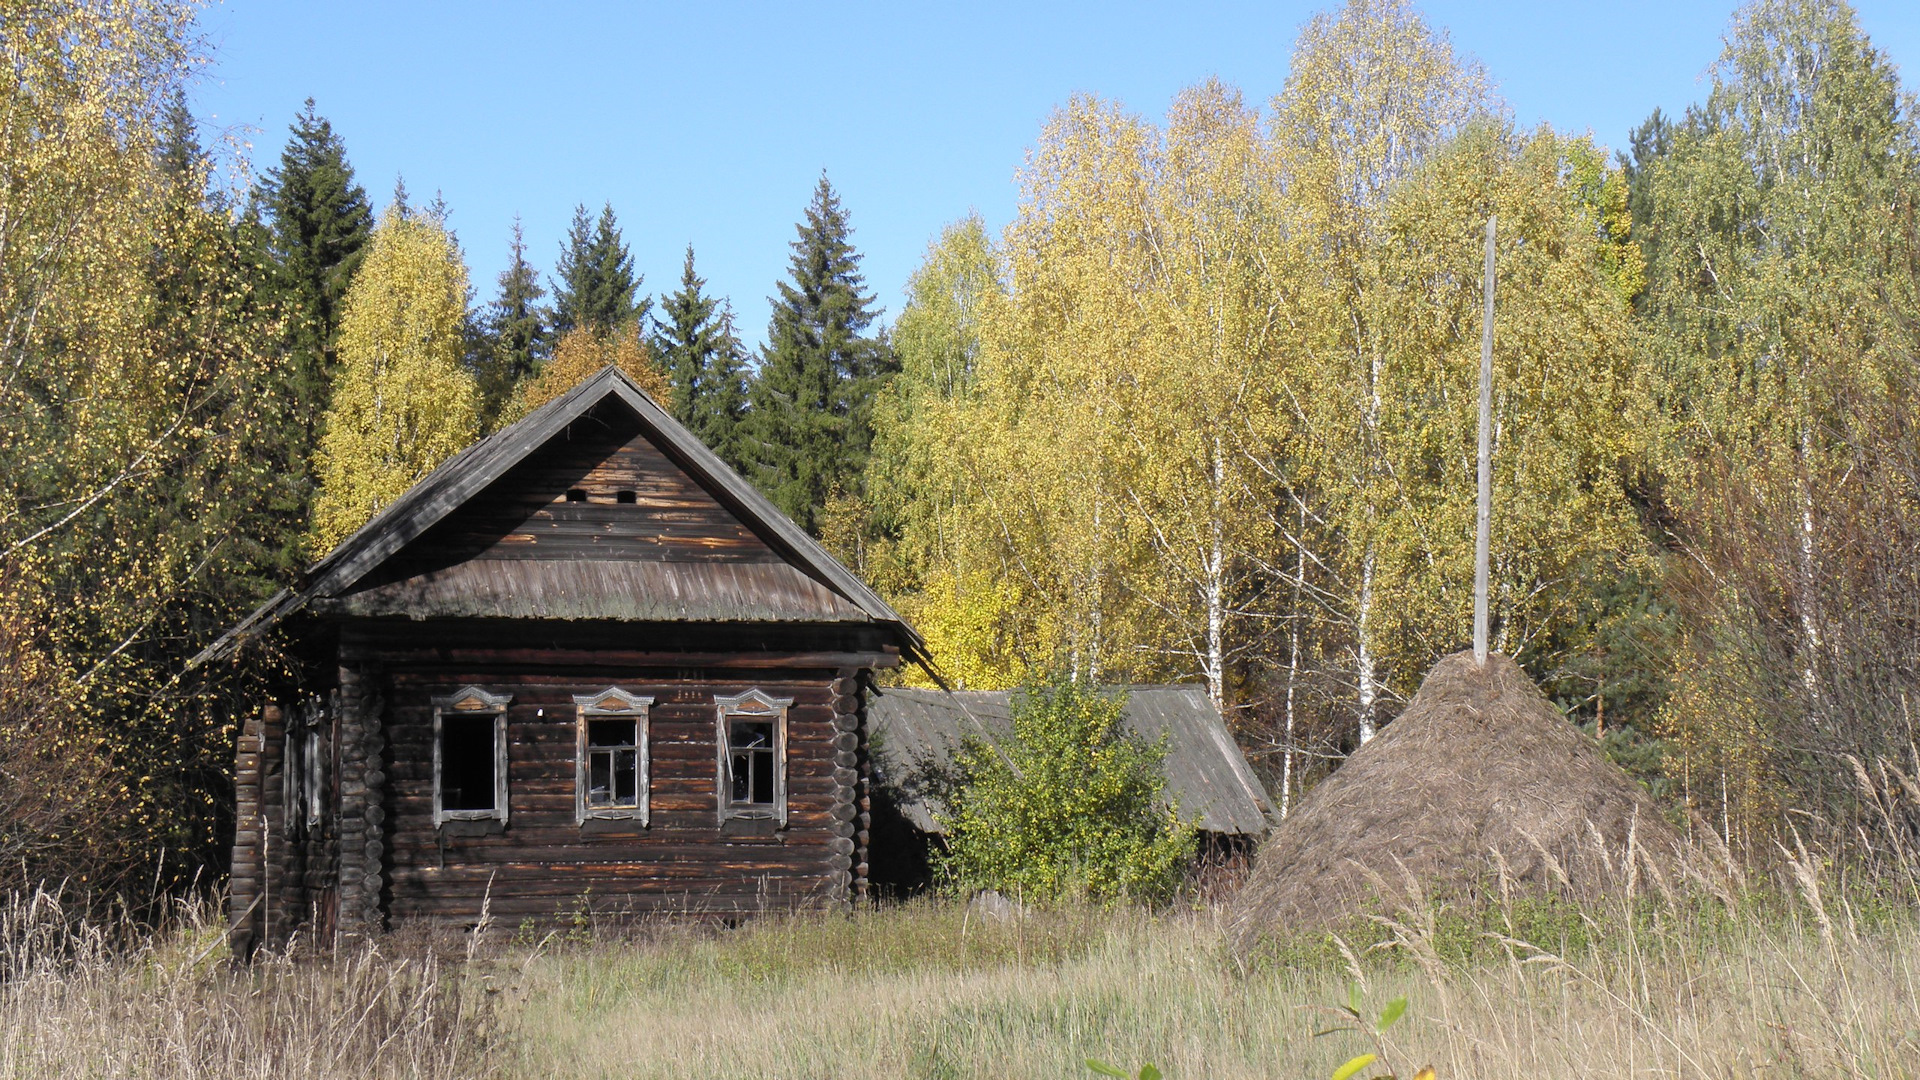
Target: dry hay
[{"x": 1480, "y": 781}]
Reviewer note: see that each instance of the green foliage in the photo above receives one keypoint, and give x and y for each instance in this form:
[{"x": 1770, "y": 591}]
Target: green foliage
[
  {"x": 1777, "y": 218},
  {"x": 1066, "y": 803},
  {"x": 403, "y": 403},
  {"x": 516, "y": 338},
  {"x": 319, "y": 226},
  {"x": 811, "y": 414},
  {"x": 596, "y": 283},
  {"x": 1353, "y": 1020},
  {"x": 705, "y": 365}
]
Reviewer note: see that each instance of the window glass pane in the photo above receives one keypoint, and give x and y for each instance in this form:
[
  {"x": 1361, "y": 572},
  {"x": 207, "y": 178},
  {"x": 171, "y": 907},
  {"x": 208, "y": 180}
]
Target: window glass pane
[
  {"x": 626, "y": 769},
  {"x": 612, "y": 732},
  {"x": 742, "y": 776},
  {"x": 763, "y": 777},
  {"x": 466, "y": 762},
  {"x": 599, "y": 780}
]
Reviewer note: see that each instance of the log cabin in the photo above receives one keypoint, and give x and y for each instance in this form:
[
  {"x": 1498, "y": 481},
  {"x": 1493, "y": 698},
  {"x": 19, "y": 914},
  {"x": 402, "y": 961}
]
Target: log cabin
[{"x": 582, "y": 666}]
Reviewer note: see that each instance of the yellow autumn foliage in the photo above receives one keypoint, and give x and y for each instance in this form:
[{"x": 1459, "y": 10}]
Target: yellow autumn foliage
[
  {"x": 402, "y": 402},
  {"x": 581, "y": 353}
]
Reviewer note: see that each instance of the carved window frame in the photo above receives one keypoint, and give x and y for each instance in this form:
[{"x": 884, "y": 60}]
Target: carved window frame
[
  {"x": 473, "y": 701},
  {"x": 614, "y": 703},
  {"x": 755, "y": 704},
  {"x": 307, "y": 766}
]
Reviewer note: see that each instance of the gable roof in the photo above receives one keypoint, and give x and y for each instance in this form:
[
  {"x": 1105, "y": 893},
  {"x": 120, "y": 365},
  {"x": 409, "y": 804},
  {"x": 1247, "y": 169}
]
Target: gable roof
[
  {"x": 825, "y": 585},
  {"x": 1207, "y": 775}
]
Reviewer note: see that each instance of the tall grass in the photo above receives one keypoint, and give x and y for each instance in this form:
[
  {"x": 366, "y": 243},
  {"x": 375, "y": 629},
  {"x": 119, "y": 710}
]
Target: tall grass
[
  {"x": 932, "y": 992},
  {"x": 84, "y": 998},
  {"x": 1820, "y": 981}
]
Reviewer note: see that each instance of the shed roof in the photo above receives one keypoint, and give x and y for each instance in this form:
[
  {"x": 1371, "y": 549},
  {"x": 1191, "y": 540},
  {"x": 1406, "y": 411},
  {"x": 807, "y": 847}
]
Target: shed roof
[
  {"x": 796, "y": 581},
  {"x": 1207, "y": 775}
]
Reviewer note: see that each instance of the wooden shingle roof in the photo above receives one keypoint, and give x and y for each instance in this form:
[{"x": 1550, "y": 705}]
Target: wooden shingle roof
[
  {"x": 1208, "y": 777},
  {"x": 450, "y": 546}
]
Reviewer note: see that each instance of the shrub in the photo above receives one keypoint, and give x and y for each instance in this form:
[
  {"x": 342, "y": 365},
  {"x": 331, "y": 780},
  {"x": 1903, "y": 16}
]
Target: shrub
[{"x": 1066, "y": 802}]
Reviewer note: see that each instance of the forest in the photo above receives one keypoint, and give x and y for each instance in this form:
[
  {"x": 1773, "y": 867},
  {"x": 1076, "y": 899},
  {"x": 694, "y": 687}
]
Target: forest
[{"x": 1205, "y": 410}]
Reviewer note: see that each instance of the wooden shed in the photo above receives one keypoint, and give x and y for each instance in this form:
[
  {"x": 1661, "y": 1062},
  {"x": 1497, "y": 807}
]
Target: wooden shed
[
  {"x": 915, "y": 732},
  {"x": 583, "y": 665}
]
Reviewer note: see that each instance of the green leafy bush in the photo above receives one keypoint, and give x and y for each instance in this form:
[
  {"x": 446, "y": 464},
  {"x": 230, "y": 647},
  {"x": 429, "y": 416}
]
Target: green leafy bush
[{"x": 1066, "y": 803}]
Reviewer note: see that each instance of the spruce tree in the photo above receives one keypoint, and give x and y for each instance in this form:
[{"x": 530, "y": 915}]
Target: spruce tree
[
  {"x": 516, "y": 337},
  {"x": 595, "y": 283},
  {"x": 812, "y": 398},
  {"x": 704, "y": 364},
  {"x": 319, "y": 225}
]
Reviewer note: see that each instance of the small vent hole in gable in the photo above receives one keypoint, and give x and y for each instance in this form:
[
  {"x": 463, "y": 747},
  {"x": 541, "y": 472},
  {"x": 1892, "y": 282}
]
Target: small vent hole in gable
[
  {"x": 624, "y": 497},
  {"x": 576, "y": 494}
]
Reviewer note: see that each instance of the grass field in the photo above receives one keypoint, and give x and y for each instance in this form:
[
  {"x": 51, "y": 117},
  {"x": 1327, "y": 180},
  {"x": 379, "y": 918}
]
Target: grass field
[{"x": 1781, "y": 990}]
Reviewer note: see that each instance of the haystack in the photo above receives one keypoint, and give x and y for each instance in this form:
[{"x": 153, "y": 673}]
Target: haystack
[{"x": 1479, "y": 785}]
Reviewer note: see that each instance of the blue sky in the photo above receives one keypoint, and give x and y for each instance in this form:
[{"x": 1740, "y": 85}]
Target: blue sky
[{"x": 710, "y": 122}]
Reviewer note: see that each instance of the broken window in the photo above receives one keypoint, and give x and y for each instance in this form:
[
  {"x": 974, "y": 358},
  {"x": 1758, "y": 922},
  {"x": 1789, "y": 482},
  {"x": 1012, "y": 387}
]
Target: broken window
[
  {"x": 611, "y": 766},
  {"x": 306, "y": 768},
  {"x": 470, "y": 756},
  {"x": 750, "y": 753},
  {"x": 753, "y": 753}
]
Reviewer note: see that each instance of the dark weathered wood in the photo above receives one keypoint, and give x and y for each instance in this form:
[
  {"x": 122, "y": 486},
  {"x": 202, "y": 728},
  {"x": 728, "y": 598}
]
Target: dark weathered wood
[
  {"x": 671, "y": 580},
  {"x": 244, "y": 918}
]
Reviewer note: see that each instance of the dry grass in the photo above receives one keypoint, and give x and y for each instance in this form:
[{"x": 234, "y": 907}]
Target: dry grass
[
  {"x": 1821, "y": 988},
  {"x": 1700, "y": 995},
  {"x": 82, "y": 999}
]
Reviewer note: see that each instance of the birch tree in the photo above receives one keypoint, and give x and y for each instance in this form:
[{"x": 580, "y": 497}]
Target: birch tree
[
  {"x": 1371, "y": 92},
  {"x": 402, "y": 402},
  {"x": 1781, "y": 282}
]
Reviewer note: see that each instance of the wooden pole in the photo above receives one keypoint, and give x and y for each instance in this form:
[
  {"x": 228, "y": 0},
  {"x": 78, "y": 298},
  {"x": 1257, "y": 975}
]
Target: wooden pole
[{"x": 1483, "y": 531}]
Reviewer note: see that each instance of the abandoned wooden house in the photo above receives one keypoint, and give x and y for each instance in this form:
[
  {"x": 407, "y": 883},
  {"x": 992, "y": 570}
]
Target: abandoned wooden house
[
  {"x": 581, "y": 663},
  {"x": 914, "y": 733}
]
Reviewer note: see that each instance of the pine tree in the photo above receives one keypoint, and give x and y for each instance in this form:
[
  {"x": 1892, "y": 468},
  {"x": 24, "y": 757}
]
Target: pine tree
[
  {"x": 812, "y": 398},
  {"x": 516, "y": 335},
  {"x": 704, "y": 364},
  {"x": 596, "y": 283},
  {"x": 320, "y": 225}
]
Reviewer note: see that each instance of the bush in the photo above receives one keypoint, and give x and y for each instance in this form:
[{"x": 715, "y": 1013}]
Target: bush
[{"x": 1065, "y": 803}]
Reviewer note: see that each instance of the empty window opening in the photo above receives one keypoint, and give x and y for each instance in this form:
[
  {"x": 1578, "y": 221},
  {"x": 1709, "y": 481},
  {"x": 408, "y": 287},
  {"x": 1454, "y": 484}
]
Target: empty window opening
[
  {"x": 751, "y": 774},
  {"x": 613, "y": 764},
  {"x": 750, "y": 756},
  {"x": 575, "y": 494},
  {"x": 467, "y": 763},
  {"x": 624, "y": 497}
]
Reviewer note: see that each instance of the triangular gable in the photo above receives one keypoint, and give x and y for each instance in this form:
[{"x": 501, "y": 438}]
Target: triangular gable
[{"x": 471, "y": 471}]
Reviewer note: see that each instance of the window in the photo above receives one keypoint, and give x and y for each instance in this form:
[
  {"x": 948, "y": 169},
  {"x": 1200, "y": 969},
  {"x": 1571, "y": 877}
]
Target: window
[
  {"x": 610, "y": 762},
  {"x": 575, "y": 494},
  {"x": 752, "y": 738},
  {"x": 306, "y": 767},
  {"x": 470, "y": 756},
  {"x": 626, "y": 498}
]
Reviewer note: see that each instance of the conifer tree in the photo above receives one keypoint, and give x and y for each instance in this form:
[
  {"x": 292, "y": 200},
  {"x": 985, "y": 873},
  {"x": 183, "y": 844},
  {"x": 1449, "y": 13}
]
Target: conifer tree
[
  {"x": 704, "y": 363},
  {"x": 595, "y": 282},
  {"x": 812, "y": 398},
  {"x": 516, "y": 334},
  {"x": 320, "y": 222}
]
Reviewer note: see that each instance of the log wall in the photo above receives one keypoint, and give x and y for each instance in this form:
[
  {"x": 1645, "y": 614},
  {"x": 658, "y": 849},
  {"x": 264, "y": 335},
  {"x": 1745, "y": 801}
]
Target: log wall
[{"x": 544, "y": 866}]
